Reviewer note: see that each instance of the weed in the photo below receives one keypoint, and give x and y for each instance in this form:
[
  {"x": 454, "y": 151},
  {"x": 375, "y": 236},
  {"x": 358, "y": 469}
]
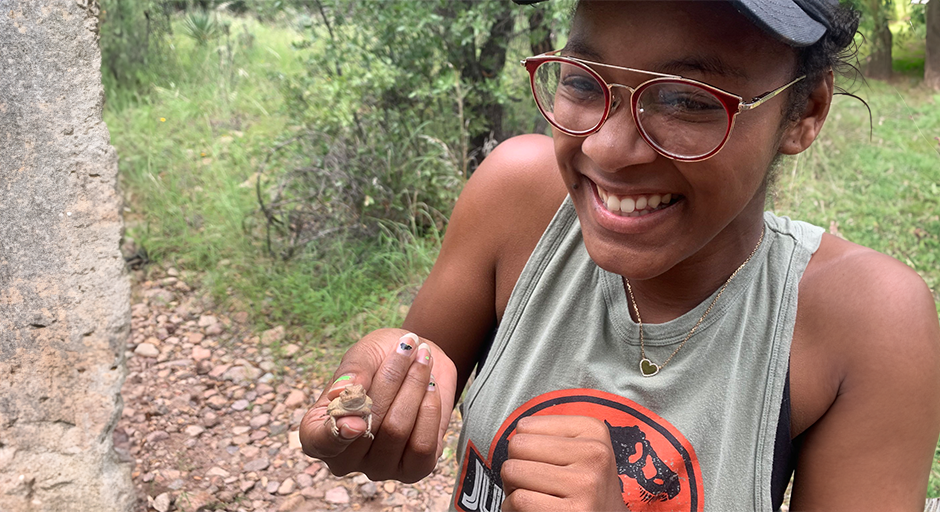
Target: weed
[
  {"x": 201, "y": 26},
  {"x": 190, "y": 153}
]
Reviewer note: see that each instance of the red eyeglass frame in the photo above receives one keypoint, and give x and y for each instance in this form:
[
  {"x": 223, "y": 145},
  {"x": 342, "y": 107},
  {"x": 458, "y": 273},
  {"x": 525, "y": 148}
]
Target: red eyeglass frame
[{"x": 733, "y": 103}]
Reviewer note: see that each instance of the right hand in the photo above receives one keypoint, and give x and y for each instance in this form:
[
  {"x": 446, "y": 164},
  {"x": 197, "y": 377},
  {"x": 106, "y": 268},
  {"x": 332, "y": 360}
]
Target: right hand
[{"x": 409, "y": 419}]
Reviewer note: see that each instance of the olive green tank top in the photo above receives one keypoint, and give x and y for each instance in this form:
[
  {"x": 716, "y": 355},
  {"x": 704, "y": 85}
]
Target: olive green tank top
[{"x": 697, "y": 436}]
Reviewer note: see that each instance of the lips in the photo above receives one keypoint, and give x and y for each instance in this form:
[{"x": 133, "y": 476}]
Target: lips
[{"x": 635, "y": 205}]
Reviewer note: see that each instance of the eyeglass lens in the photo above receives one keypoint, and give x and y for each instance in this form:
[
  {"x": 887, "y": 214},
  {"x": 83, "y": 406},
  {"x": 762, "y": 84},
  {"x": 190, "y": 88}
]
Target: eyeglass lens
[{"x": 678, "y": 118}]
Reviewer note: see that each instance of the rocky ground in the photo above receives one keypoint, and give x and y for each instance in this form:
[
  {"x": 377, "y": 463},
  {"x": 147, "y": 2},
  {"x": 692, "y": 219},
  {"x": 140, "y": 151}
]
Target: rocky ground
[{"x": 211, "y": 411}]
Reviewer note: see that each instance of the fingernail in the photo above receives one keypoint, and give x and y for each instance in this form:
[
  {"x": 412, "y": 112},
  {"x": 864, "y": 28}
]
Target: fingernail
[
  {"x": 347, "y": 432},
  {"x": 432, "y": 385},
  {"x": 341, "y": 382},
  {"x": 407, "y": 343},
  {"x": 424, "y": 353}
]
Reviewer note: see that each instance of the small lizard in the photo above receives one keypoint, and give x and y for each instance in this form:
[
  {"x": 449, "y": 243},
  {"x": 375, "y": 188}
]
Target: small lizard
[{"x": 352, "y": 401}]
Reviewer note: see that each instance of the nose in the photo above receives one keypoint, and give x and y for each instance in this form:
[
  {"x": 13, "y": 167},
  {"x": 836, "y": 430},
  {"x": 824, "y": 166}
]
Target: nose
[{"x": 618, "y": 143}]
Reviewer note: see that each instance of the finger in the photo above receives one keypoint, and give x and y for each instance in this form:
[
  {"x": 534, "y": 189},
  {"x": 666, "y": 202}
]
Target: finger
[
  {"x": 563, "y": 426},
  {"x": 357, "y": 367},
  {"x": 446, "y": 388},
  {"x": 352, "y": 426},
  {"x": 385, "y": 380},
  {"x": 533, "y": 476},
  {"x": 399, "y": 422},
  {"x": 317, "y": 437},
  {"x": 559, "y": 451},
  {"x": 425, "y": 443},
  {"x": 524, "y": 500},
  {"x": 388, "y": 379},
  {"x": 316, "y": 429}
]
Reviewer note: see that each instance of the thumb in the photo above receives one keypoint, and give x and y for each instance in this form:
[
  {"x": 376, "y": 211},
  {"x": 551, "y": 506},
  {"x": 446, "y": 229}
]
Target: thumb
[{"x": 317, "y": 436}]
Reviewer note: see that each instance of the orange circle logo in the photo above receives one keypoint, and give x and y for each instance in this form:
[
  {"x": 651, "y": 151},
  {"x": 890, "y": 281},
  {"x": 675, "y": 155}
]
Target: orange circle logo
[{"x": 657, "y": 466}]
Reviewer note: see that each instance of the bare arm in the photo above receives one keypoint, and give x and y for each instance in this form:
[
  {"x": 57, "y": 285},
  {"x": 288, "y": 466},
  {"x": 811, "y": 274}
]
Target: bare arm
[{"x": 870, "y": 340}]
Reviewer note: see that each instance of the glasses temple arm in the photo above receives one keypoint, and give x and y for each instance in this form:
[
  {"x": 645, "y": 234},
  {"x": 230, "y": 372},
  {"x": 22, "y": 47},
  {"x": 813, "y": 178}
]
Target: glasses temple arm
[{"x": 759, "y": 100}]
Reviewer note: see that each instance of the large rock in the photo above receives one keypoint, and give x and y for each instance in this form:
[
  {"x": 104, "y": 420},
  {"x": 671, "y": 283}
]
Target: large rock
[{"x": 64, "y": 295}]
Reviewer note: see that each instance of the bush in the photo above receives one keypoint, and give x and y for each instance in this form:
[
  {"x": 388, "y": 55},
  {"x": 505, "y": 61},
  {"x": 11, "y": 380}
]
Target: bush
[
  {"x": 201, "y": 26},
  {"x": 134, "y": 42},
  {"x": 344, "y": 185},
  {"x": 399, "y": 103}
]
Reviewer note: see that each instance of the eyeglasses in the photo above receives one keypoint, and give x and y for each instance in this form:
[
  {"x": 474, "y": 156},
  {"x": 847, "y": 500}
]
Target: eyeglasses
[{"x": 680, "y": 118}]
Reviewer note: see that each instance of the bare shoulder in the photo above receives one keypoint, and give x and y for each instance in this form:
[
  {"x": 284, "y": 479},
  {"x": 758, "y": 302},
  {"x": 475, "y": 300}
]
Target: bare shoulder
[
  {"x": 511, "y": 199},
  {"x": 863, "y": 294},
  {"x": 865, "y": 381},
  {"x": 860, "y": 309},
  {"x": 519, "y": 177}
]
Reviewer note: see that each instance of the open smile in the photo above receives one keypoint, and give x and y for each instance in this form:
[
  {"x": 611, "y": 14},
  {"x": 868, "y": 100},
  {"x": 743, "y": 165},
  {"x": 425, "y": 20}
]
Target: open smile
[{"x": 634, "y": 205}]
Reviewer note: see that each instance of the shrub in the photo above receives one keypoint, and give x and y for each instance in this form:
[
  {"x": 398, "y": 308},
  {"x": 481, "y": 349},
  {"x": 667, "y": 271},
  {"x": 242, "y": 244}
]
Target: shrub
[
  {"x": 134, "y": 41},
  {"x": 201, "y": 26}
]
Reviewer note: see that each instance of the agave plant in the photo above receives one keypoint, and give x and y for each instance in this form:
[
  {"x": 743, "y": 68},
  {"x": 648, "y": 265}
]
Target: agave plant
[{"x": 201, "y": 26}]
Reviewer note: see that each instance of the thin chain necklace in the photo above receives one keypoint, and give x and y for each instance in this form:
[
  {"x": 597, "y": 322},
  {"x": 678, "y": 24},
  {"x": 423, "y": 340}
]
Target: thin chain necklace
[{"x": 649, "y": 368}]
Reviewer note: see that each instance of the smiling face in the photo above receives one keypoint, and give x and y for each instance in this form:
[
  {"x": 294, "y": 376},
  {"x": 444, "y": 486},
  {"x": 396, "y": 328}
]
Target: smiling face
[{"x": 643, "y": 214}]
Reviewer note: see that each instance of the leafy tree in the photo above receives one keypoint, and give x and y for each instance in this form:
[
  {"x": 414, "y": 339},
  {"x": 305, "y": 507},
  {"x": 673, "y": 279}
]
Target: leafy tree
[
  {"x": 401, "y": 99},
  {"x": 438, "y": 58}
]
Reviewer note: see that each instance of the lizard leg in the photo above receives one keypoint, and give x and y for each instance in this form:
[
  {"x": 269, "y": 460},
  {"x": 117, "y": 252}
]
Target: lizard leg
[{"x": 368, "y": 434}]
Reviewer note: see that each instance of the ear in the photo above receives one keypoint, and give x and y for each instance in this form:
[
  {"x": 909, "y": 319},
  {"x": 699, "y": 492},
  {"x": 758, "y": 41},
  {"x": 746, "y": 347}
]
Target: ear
[{"x": 801, "y": 134}]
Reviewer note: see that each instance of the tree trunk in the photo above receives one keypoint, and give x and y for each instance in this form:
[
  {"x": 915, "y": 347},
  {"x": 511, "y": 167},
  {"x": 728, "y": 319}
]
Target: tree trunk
[
  {"x": 481, "y": 75},
  {"x": 540, "y": 41},
  {"x": 932, "y": 63},
  {"x": 879, "y": 62}
]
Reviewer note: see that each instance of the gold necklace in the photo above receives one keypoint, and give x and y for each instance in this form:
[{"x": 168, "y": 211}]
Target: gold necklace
[{"x": 649, "y": 368}]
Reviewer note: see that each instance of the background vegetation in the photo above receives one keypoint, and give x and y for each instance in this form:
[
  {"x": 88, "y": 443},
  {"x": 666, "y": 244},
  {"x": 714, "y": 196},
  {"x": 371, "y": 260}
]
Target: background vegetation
[{"x": 303, "y": 157}]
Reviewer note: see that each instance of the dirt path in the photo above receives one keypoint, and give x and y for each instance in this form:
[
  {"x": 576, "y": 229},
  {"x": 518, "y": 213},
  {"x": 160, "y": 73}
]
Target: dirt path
[{"x": 210, "y": 414}]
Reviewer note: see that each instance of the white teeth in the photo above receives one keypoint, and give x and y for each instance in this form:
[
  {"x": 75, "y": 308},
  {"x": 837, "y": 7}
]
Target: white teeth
[
  {"x": 613, "y": 204},
  {"x": 627, "y": 205},
  {"x": 633, "y": 206}
]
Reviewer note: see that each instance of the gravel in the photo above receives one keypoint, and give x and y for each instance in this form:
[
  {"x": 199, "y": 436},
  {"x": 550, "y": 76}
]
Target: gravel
[{"x": 211, "y": 413}]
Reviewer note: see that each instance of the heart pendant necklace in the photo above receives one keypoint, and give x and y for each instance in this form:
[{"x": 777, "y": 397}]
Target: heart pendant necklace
[{"x": 647, "y": 367}]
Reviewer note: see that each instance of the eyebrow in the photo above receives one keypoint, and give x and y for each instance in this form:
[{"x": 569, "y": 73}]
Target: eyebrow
[
  {"x": 582, "y": 49},
  {"x": 709, "y": 65},
  {"x": 706, "y": 65}
]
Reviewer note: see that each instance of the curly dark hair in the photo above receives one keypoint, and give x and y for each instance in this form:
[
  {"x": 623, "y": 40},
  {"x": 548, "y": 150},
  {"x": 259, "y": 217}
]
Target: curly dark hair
[{"x": 836, "y": 50}]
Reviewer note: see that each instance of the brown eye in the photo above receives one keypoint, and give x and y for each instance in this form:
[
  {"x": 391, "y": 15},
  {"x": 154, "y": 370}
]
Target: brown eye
[{"x": 581, "y": 86}]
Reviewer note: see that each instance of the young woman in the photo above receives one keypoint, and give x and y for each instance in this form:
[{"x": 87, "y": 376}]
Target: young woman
[{"x": 660, "y": 342}]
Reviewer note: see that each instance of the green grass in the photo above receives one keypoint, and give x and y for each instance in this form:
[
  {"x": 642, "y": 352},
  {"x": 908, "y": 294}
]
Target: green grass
[
  {"x": 188, "y": 153},
  {"x": 881, "y": 193}
]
